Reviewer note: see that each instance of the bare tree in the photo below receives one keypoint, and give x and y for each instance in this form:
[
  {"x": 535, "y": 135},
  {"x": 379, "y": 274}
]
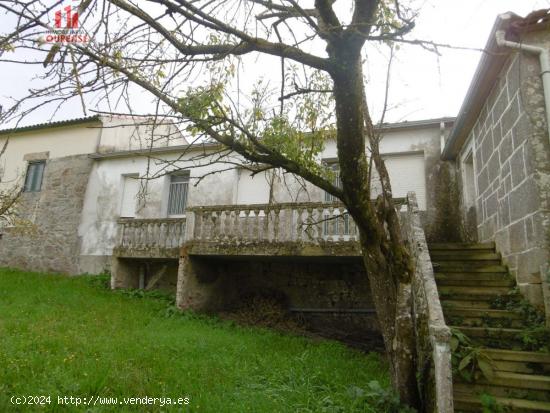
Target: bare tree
[{"x": 188, "y": 56}]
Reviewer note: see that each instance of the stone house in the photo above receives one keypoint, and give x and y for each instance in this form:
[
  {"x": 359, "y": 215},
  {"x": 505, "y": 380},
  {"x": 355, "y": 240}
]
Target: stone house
[
  {"x": 53, "y": 165},
  {"x": 116, "y": 199},
  {"x": 124, "y": 194},
  {"x": 500, "y": 144}
]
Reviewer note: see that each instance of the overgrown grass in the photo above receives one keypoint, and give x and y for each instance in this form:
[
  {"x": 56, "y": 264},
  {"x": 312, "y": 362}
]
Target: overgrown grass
[{"x": 63, "y": 336}]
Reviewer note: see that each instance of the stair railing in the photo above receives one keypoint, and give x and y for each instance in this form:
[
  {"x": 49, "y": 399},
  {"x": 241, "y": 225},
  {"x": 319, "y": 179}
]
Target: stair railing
[{"x": 434, "y": 371}]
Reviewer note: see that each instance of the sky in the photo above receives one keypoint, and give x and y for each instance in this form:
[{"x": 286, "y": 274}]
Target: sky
[{"x": 422, "y": 84}]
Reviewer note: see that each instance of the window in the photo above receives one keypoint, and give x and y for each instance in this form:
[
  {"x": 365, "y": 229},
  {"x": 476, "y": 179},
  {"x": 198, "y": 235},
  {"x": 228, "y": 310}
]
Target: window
[
  {"x": 336, "y": 182},
  {"x": 130, "y": 191},
  {"x": 177, "y": 197},
  {"x": 331, "y": 198},
  {"x": 33, "y": 180}
]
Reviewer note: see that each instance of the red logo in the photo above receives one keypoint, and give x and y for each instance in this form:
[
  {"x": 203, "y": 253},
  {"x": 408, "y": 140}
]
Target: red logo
[
  {"x": 70, "y": 18},
  {"x": 66, "y": 28}
]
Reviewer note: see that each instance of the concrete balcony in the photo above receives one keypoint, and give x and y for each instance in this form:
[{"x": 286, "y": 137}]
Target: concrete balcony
[
  {"x": 149, "y": 238},
  {"x": 307, "y": 229}
]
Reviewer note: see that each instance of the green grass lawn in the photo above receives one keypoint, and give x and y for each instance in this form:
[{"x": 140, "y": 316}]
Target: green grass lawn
[{"x": 62, "y": 336}]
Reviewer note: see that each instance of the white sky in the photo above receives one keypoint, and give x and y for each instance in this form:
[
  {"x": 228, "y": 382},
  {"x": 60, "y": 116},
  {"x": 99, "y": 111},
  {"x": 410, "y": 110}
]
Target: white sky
[{"x": 423, "y": 86}]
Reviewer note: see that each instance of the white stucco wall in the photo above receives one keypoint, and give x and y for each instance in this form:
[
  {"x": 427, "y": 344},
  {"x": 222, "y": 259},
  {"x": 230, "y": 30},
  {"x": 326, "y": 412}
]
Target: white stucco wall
[
  {"x": 124, "y": 133},
  {"x": 102, "y": 203},
  {"x": 103, "y": 198},
  {"x": 57, "y": 142}
]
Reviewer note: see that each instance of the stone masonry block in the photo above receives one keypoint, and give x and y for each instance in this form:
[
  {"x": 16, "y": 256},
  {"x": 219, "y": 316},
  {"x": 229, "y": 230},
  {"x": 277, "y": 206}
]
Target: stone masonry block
[
  {"x": 487, "y": 146},
  {"x": 500, "y": 105},
  {"x": 493, "y": 167},
  {"x": 518, "y": 242},
  {"x": 482, "y": 181},
  {"x": 505, "y": 149},
  {"x": 521, "y": 130},
  {"x": 533, "y": 294},
  {"x": 510, "y": 116},
  {"x": 529, "y": 264},
  {"x": 517, "y": 166},
  {"x": 524, "y": 200}
]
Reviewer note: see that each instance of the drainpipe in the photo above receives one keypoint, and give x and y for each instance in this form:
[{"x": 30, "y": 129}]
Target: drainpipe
[
  {"x": 442, "y": 136},
  {"x": 544, "y": 58}
]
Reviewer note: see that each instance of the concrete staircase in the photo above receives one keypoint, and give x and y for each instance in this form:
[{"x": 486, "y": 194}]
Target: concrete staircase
[{"x": 470, "y": 277}]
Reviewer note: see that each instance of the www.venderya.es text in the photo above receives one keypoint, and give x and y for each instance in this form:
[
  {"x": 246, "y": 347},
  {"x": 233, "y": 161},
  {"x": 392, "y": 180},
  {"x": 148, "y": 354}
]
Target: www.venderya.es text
[{"x": 95, "y": 400}]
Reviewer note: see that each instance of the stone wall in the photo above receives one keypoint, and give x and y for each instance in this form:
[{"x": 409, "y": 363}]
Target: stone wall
[
  {"x": 512, "y": 172},
  {"x": 318, "y": 290},
  {"x": 51, "y": 243}
]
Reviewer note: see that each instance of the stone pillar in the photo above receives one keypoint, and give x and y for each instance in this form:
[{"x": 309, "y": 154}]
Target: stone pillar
[
  {"x": 122, "y": 274},
  {"x": 198, "y": 287}
]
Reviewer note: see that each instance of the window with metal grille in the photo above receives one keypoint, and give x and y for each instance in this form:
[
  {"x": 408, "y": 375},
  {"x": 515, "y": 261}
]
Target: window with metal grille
[
  {"x": 177, "y": 198},
  {"x": 33, "y": 179},
  {"x": 337, "y": 181}
]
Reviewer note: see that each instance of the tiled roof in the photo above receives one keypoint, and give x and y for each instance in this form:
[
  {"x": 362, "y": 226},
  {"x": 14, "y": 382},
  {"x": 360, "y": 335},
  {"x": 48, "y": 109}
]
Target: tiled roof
[{"x": 47, "y": 125}]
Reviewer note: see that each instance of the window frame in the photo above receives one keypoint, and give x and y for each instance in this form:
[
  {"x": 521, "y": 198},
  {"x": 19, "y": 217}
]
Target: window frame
[
  {"x": 185, "y": 178},
  {"x": 333, "y": 164},
  {"x": 33, "y": 186}
]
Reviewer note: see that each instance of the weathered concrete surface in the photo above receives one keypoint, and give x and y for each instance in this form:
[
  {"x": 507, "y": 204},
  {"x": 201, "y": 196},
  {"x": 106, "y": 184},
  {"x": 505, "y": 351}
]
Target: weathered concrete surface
[
  {"x": 135, "y": 273},
  {"x": 276, "y": 249},
  {"x": 199, "y": 286},
  {"x": 434, "y": 371},
  {"x": 512, "y": 171},
  {"x": 330, "y": 296},
  {"x": 53, "y": 244}
]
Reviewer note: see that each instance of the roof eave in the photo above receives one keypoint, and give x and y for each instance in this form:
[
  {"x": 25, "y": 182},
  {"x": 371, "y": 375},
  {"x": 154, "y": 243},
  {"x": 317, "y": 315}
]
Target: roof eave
[
  {"x": 50, "y": 125},
  {"x": 485, "y": 76}
]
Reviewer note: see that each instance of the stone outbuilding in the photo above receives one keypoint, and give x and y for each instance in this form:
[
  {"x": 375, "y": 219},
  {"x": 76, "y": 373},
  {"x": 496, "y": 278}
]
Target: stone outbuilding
[{"x": 500, "y": 143}]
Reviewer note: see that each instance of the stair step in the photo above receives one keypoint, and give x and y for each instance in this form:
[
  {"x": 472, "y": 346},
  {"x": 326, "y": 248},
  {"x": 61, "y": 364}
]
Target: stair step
[
  {"x": 471, "y": 403},
  {"x": 461, "y": 246},
  {"x": 527, "y": 362},
  {"x": 514, "y": 355},
  {"x": 475, "y": 317},
  {"x": 480, "y": 279},
  {"x": 458, "y": 303},
  {"x": 468, "y": 266},
  {"x": 468, "y": 294},
  {"x": 497, "y": 390},
  {"x": 458, "y": 268},
  {"x": 439, "y": 255},
  {"x": 469, "y": 290},
  {"x": 517, "y": 380},
  {"x": 450, "y": 281},
  {"x": 492, "y": 337}
]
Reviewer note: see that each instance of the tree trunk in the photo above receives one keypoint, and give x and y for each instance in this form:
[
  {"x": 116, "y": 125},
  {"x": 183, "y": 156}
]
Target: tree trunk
[{"x": 385, "y": 257}]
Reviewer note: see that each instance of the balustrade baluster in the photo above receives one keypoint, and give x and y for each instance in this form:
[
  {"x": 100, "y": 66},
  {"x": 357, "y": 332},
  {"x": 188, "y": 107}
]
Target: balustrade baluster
[
  {"x": 341, "y": 224},
  {"x": 331, "y": 224},
  {"x": 245, "y": 234},
  {"x": 138, "y": 236},
  {"x": 183, "y": 225},
  {"x": 161, "y": 234},
  {"x": 215, "y": 230},
  {"x": 228, "y": 222},
  {"x": 197, "y": 224},
  {"x": 256, "y": 227},
  {"x": 177, "y": 234},
  {"x": 299, "y": 224},
  {"x": 265, "y": 224},
  {"x": 319, "y": 225},
  {"x": 131, "y": 235},
  {"x": 276, "y": 223},
  {"x": 309, "y": 229}
]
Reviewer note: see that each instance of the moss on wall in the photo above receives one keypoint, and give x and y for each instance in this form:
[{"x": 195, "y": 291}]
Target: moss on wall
[{"x": 445, "y": 222}]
